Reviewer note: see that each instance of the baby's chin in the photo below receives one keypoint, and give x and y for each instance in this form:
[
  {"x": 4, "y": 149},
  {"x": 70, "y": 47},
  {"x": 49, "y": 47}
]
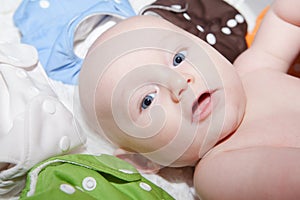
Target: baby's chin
[
  {"x": 185, "y": 161},
  {"x": 182, "y": 163}
]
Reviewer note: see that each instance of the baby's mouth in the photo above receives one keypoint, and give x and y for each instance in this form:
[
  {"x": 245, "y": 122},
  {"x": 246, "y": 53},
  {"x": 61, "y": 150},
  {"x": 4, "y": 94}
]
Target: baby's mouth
[{"x": 201, "y": 107}]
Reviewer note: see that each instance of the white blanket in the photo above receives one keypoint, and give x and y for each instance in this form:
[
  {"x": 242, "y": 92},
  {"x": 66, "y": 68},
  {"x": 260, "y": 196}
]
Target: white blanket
[{"x": 177, "y": 181}]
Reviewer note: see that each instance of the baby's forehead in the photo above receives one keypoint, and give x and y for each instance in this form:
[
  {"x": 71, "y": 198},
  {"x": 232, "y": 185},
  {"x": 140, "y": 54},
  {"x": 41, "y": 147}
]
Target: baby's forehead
[
  {"x": 135, "y": 23},
  {"x": 139, "y": 22}
]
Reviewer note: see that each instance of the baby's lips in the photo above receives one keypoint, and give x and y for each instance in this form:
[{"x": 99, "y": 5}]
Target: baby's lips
[{"x": 201, "y": 107}]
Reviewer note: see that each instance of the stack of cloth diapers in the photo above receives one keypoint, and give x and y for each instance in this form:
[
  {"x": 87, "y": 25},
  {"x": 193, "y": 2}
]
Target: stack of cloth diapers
[{"x": 58, "y": 33}]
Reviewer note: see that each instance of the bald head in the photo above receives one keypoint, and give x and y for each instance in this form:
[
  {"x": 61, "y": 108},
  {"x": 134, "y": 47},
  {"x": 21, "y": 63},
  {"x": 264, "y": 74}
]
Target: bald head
[
  {"x": 135, "y": 23},
  {"x": 135, "y": 59}
]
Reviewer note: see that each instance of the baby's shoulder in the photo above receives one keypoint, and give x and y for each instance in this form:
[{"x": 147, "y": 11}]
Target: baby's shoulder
[
  {"x": 271, "y": 116},
  {"x": 248, "y": 171},
  {"x": 270, "y": 79}
]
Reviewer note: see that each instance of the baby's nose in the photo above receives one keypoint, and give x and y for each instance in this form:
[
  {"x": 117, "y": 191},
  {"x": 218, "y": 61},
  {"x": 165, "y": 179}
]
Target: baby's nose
[
  {"x": 179, "y": 85},
  {"x": 188, "y": 77}
]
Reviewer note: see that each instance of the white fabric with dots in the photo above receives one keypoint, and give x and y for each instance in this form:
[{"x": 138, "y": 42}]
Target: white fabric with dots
[
  {"x": 34, "y": 124},
  {"x": 179, "y": 188}
]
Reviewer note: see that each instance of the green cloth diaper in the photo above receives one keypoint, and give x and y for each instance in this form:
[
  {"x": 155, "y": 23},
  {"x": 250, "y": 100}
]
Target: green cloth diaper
[{"x": 88, "y": 177}]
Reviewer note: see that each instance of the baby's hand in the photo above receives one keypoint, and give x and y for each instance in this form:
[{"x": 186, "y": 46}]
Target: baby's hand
[{"x": 34, "y": 124}]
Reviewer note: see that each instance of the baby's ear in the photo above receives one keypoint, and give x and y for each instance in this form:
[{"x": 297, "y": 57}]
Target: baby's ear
[{"x": 141, "y": 163}]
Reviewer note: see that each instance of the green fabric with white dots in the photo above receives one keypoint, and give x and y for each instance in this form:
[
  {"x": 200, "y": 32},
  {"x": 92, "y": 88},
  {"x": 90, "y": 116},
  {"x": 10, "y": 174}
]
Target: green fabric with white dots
[{"x": 88, "y": 177}]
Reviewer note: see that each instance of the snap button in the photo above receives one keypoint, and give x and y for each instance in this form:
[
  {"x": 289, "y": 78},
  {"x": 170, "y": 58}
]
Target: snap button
[
  {"x": 68, "y": 189},
  {"x": 239, "y": 18},
  {"x": 34, "y": 91},
  {"x": 44, "y": 4},
  {"x": 200, "y": 28},
  {"x": 21, "y": 73},
  {"x": 211, "y": 39},
  {"x": 186, "y": 16},
  {"x": 231, "y": 23},
  {"x": 49, "y": 107},
  {"x": 89, "y": 183},
  {"x": 126, "y": 171},
  {"x": 226, "y": 30},
  {"x": 64, "y": 143},
  {"x": 145, "y": 186}
]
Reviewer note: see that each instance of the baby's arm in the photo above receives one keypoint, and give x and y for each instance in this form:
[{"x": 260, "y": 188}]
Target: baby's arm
[
  {"x": 277, "y": 42},
  {"x": 253, "y": 173}
]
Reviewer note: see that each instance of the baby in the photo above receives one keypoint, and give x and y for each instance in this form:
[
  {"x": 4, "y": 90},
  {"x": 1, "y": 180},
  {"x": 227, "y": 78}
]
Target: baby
[{"x": 152, "y": 88}]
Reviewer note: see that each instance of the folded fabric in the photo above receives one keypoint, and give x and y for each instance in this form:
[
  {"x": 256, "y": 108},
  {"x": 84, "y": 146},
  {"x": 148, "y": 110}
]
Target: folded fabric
[
  {"x": 34, "y": 124},
  {"x": 89, "y": 177},
  {"x": 53, "y": 26}
]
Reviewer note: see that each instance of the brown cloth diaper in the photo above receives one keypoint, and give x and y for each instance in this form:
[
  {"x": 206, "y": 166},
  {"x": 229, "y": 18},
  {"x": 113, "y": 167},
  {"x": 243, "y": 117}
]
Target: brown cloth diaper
[{"x": 214, "y": 21}]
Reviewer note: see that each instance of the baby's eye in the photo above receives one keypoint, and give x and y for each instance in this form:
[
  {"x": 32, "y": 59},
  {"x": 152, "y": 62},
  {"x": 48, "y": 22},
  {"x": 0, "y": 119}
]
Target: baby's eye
[
  {"x": 148, "y": 100},
  {"x": 178, "y": 58}
]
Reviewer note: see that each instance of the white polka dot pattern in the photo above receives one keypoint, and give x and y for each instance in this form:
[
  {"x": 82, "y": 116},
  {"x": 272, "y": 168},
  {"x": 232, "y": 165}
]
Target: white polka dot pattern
[
  {"x": 66, "y": 188},
  {"x": 145, "y": 186}
]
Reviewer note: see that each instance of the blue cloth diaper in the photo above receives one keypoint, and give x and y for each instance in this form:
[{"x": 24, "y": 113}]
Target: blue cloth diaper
[{"x": 50, "y": 26}]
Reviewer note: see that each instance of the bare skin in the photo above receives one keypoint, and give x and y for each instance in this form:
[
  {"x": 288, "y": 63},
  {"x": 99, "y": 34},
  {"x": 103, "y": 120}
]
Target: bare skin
[
  {"x": 261, "y": 159},
  {"x": 256, "y": 154}
]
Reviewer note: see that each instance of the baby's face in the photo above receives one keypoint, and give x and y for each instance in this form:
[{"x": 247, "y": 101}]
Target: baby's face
[{"x": 163, "y": 92}]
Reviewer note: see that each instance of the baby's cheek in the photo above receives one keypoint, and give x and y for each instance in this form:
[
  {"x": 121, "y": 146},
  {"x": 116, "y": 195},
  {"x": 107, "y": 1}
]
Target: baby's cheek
[{"x": 143, "y": 119}]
